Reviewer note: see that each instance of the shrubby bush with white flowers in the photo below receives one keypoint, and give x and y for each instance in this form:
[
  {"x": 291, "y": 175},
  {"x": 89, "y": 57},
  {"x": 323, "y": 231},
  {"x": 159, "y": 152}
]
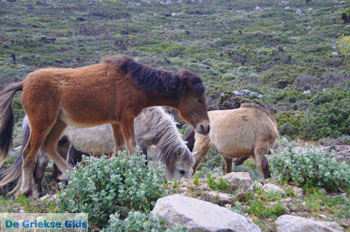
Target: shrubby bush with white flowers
[
  {"x": 138, "y": 221},
  {"x": 310, "y": 167},
  {"x": 104, "y": 186}
]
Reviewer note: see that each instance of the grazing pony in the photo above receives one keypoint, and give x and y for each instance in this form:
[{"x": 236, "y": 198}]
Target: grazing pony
[
  {"x": 112, "y": 92},
  {"x": 153, "y": 127},
  {"x": 239, "y": 133}
]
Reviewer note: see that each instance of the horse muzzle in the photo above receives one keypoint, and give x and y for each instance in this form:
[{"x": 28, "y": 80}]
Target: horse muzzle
[{"x": 203, "y": 128}]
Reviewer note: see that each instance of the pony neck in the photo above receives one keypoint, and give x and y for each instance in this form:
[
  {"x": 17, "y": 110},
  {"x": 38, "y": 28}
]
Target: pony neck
[{"x": 162, "y": 101}]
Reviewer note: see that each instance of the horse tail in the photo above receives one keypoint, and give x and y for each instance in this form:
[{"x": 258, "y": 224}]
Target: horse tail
[
  {"x": 14, "y": 172},
  {"x": 6, "y": 119},
  {"x": 190, "y": 139}
]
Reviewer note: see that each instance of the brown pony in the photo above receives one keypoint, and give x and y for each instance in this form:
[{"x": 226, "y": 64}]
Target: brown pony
[
  {"x": 114, "y": 92},
  {"x": 239, "y": 133}
]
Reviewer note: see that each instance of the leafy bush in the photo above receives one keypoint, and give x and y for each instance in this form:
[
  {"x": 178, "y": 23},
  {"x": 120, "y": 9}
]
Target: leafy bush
[
  {"x": 328, "y": 115},
  {"x": 138, "y": 221},
  {"x": 289, "y": 123},
  {"x": 310, "y": 167},
  {"x": 345, "y": 15},
  {"x": 104, "y": 186}
]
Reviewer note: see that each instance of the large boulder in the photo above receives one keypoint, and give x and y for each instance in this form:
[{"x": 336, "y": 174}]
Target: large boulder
[
  {"x": 198, "y": 215},
  {"x": 289, "y": 223}
]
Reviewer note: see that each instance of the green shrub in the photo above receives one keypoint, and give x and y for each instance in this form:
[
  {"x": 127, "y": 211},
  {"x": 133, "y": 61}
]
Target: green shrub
[
  {"x": 310, "y": 167},
  {"x": 259, "y": 209},
  {"x": 328, "y": 116},
  {"x": 138, "y": 221},
  {"x": 104, "y": 186},
  {"x": 289, "y": 123},
  {"x": 222, "y": 186}
]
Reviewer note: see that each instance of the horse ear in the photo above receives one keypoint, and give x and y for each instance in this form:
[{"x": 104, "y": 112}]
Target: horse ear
[
  {"x": 192, "y": 81},
  {"x": 186, "y": 76}
]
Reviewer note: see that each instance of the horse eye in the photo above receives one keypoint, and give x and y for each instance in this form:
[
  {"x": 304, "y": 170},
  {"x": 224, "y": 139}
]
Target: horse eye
[
  {"x": 200, "y": 100},
  {"x": 182, "y": 172}
]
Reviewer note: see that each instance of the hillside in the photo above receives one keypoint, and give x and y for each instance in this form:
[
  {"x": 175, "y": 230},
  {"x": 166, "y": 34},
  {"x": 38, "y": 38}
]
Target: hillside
[
  {"x": 291, "y": 56},
  {"x": 284, "y": 52}
]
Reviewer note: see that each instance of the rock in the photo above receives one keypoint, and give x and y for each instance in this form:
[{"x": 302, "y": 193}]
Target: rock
[
  {"x": 289, "y": 223},
  {"x": 198, "y": 215},
  {"x": 284, "y": 3},
  {"x": 47, "y": 196},
  {"x": 246, "y": 93},
  {"x": 298, "y": 12},
  {"x": 222, "y": 198},
  {"x": 239, "y": 181},
  {"x": 273, "y": 188}
]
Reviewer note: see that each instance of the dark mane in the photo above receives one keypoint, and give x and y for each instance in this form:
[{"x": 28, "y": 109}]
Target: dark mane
[
  {"x": 258, "y": 107},
  {"x": 159, "y": 81}
]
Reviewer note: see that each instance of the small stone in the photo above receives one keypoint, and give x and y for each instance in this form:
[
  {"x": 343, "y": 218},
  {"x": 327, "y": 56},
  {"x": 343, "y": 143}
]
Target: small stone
[
  {"x": 298, "y": 191},
  {"x": 45, "y": 197},
  {"x": 322, "y": 216},
  {"x": 272, "y": 188},
  {"x": 239, "y": 181},
  {"x": 221, "y": 197}
]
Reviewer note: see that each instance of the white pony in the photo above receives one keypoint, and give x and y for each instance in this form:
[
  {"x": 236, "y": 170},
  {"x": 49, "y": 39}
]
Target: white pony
[{"x": 153, "y": 128}]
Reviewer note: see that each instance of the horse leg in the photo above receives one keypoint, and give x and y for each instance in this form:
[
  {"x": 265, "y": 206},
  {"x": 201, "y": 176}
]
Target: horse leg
[
  {"x": 261, "y": 161},
  {"x": 201, "y": 146},
  {"x": 30, "y": 151},
  {"x": 39, "y": 172},
  {"x": 74, "y": 156},
  {"x": 118, "y": 137},
  {"x": 227, "y": 167},
  {"x": 127, "y": 126},
  {"x": 143, "y": 146},
  {"x": 50, "y": 148},
  {"x": 62, "y": 149},
  {"x": 240, "y": 160}
]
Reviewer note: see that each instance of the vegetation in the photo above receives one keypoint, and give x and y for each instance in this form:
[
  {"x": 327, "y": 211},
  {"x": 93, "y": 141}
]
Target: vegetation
[
  {"x": 231, "y": 45},
  {"x": 104, "y": 186},
  {"x": 138, "y": 221},
  {"x": 297, "y": 64},
  {"x": 310, "y": 168}
]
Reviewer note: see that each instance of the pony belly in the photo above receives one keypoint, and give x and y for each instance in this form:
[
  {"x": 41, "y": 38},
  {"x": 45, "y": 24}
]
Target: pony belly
[{"x": 83, "y": 122}]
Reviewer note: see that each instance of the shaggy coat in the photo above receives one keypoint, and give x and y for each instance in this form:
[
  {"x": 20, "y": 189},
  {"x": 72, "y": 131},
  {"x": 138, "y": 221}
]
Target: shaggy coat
[
  {"x": 153, "y": 128},
  {"x": 239, "y": 133}
]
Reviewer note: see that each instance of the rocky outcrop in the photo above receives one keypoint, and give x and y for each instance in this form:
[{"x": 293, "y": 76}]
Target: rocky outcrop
[{"x": 198, "y": 215}]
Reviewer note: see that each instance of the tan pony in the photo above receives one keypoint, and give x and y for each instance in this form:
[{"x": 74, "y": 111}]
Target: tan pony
[
  {"x": 239, "y": 133},
  {"x": 114, "y": 92}
]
